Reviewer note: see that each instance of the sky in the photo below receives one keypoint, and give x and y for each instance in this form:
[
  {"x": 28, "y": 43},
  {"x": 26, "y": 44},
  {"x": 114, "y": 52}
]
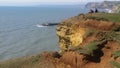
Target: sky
[{"x": 33, "y": 2}]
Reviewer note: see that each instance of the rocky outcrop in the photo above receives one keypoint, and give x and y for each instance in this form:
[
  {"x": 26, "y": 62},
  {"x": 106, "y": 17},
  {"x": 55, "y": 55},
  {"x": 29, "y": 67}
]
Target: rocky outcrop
[
  {"x": 72, "y": 32},
  {"x": 70, "y": 35}
]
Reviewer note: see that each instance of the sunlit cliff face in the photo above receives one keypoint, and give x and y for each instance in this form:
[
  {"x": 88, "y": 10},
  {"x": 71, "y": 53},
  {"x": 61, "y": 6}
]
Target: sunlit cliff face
[
  {"x": 70, "y": 36},
  {"x": 77, "y": 37}
]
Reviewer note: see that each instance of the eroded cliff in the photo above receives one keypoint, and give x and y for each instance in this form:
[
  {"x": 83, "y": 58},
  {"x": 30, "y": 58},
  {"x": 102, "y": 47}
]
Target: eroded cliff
[{"x": 88, "y": 43}]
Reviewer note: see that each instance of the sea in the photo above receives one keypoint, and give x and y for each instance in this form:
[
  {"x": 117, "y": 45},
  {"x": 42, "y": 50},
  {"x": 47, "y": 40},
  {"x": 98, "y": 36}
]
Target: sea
[{"x": 21, "y": 33}]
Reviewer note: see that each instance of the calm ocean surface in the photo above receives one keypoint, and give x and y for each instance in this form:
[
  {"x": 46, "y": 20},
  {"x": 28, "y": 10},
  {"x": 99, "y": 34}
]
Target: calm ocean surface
[{"x": 20, "y": 35}]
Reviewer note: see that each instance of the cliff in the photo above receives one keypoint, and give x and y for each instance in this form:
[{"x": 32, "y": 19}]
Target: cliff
[
  {"x": 113, "y": 6},
  {"x": 116, "y": 9},
  {"x": 102, "y": 5},
  {"x": 85, "y": 41}
]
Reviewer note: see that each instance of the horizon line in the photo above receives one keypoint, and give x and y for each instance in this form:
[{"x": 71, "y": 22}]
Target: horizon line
[{"x": 40, "y": 4}]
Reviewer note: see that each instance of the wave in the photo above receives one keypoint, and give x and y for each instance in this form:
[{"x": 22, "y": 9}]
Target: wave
[{"x": 38, "y": 25}]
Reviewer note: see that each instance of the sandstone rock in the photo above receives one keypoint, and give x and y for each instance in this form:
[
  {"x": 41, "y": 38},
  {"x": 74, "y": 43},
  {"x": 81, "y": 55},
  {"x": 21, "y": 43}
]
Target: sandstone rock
[{"x": 70, "y": 36}]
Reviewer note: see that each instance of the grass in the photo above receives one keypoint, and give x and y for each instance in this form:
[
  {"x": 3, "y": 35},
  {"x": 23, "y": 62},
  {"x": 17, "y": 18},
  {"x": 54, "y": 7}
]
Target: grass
[
  {"x": 116, "y": 54},
  {"x": 13, "y": 63},
  {"x": 91, "y": 32},
  {"x": 103, "y": 37},
  {"x": 20, "y": 62},
  {"x": 115, "y": 64},
  {"x": 97, "y": 18},
  {"x": 105, "y": 16},
  {"x": 35, "y": 59},
  {"x": 112, "y": 35},
  {"x": 88, "y": 49}
]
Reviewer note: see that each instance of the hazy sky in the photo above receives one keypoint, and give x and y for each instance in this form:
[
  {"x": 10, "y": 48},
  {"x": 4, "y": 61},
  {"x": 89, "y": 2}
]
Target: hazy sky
[{"x": 24, "y": 2}]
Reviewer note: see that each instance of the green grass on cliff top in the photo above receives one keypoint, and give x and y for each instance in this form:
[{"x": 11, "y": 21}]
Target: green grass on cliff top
[{"x": 114, "y": 17}]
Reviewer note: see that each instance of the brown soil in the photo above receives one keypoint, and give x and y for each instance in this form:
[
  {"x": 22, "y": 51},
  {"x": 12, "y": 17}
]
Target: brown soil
[
  {"x": 102, "y": 56},
  {"x": 72, "y": 59}
]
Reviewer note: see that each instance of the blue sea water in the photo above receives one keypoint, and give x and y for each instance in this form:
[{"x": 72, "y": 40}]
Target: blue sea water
[{"x": 20, "y": 35}]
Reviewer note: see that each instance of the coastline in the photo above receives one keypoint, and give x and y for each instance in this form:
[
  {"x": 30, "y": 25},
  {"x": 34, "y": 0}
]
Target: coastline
[{"x": 75, "y": 34}]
